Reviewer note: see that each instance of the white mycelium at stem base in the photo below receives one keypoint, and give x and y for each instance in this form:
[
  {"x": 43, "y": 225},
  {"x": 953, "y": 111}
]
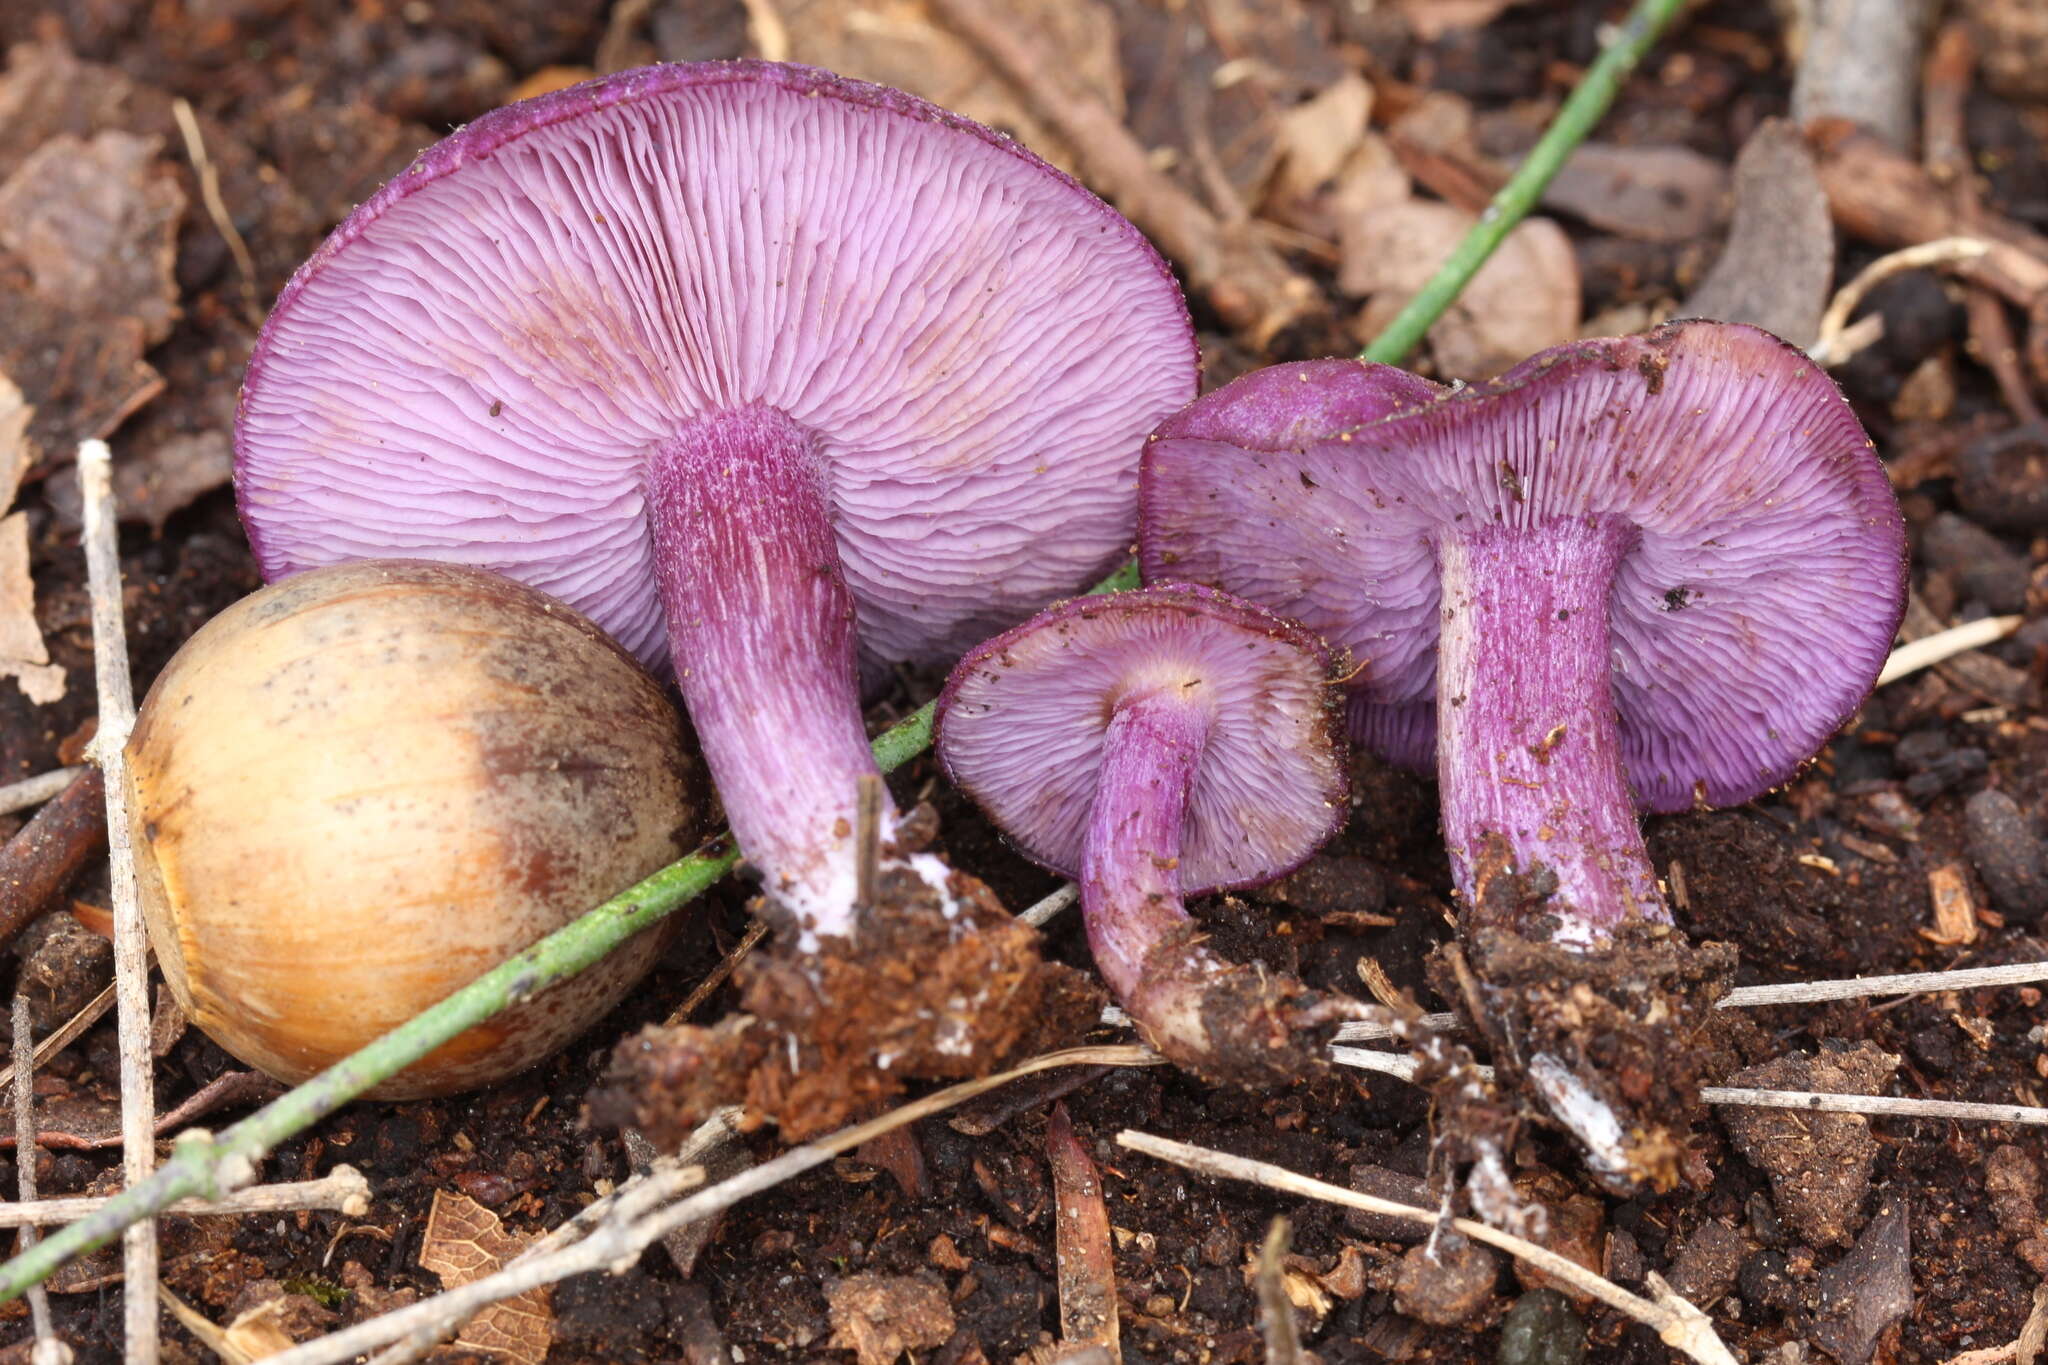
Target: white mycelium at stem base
[
  {"x": 1130, "y": 864},
  {"x": 1528, "y": 753},
  {"x": 762, "y": 628}
]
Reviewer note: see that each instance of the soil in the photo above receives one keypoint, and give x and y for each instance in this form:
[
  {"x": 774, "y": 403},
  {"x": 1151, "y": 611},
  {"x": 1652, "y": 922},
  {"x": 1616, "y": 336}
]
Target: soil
[{"x": 304, "y": 108}]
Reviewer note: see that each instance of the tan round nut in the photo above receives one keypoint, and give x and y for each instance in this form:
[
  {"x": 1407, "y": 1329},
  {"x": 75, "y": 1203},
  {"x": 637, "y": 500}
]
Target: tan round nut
[{"x": 359, "y": 789}]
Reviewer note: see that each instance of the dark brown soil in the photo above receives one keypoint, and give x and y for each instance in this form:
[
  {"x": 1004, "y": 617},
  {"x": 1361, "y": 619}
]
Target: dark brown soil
[{"x": 305, "y": 107}]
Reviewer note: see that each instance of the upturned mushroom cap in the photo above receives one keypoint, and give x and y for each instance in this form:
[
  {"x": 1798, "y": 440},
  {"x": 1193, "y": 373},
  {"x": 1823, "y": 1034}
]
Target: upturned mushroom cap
[
  {"x": 476, "y": 364},
  {"x": 1021, "y": 723},
  {"x": 1750, "y": 619}
]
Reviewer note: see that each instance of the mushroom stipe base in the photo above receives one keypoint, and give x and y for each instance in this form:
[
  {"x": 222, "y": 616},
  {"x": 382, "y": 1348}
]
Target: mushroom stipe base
[
  {"x": 1527, "y": 750},
  {"x": 761, "y": 627}
]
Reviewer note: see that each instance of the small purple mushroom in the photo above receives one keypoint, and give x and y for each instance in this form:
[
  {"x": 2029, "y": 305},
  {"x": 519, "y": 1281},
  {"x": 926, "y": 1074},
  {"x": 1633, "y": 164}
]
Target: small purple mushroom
[
  {"x": 785, "y": 376},
  {"x": 1156, "y": 745},
  {"x": 1649, "y": 572}
]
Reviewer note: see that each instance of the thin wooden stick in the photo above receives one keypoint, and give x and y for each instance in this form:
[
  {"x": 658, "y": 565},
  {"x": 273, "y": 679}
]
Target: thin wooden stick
[
  {"x": 1784, "y": 993},
  {"x": 1946, "y": 644},
  {"x": 49, "y": 1350},
  {"x": 1403, "y": 1067},
  {"x": 634, "y": 1223},
  {"x": 33, "y": 791},
  {"x": 1682, "y": 1326},
  {"x": 131, "y": 944},
  {"x": 1040, "y": 913},
  {"x": 1831, "y": 347},
  {"x": 63, "y": 1037},
  {"x": 217, "y": 208},
  {"x": 342, "y": 1189}
]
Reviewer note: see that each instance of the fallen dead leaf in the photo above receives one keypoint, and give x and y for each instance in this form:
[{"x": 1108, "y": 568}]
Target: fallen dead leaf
[
  {"x": 1316, "y": 141},
  {"x": 1430, "y": 20},
  {"x": 898, "y": 43},
  {"x": 879, "y": 1317},
  {"x": 15, "y": 416},
  {"x": 95, "y": 222},
  {"x": 1524, "y": 299},
  {"x": 23, "y": 655},
  {"x": 152, "y": 485},
  {"x": 1779, "y": 264},
  {"x": 465, "y": 1242},
  {"x": 1651, "y": 193}
]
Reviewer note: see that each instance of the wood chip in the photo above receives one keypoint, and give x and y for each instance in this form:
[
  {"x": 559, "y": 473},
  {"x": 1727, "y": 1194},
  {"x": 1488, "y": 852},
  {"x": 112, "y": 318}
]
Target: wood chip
[
  {"x": 1955, "y": 909},
  {"x": 1087, "y": 1266},
  {"x": 1779, "y": 263}
]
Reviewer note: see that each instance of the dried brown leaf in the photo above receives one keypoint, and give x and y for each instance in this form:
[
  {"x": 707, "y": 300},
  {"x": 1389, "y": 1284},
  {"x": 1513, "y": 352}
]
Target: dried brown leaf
[
  {"x": 95, "y": 221},
  {"x": 1316, "y": 141},
  {"x": 1432, "y": 19},
  {"x": 1524, "y": 299},
  {"x": 899, "y": 43},
  {"x": 1652, "y": 193},
  {"x": 15, "y": 415},
  {"x": 23, "y": 655},
  {"x": 465, "y": 1242}
]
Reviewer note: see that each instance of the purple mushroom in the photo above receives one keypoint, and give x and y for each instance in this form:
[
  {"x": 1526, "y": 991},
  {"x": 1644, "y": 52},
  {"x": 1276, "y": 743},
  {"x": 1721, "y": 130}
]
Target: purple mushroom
[
  {"x": 1156, "y": 745},
  {"x": 783, "y": 376},
  {"x": 1651, "y": 572}
]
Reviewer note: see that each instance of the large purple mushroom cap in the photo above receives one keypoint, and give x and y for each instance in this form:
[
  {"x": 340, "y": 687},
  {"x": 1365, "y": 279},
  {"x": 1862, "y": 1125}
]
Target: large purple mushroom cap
[
  {"x": 1022, "y": 720},
  {"x": 1155, "y": 744},
  {"x": 476, "y": 364},
  {"x": 776, "y": 375},
  {"x": 1750, "y": 616}
]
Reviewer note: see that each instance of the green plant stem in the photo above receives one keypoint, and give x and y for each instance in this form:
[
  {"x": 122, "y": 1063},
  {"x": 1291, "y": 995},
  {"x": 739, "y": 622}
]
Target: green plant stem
[
  {"x": 204, "y": 1166},
  {"x": 1574, "y": 121},
  {"x": 208, "y": 1167}
]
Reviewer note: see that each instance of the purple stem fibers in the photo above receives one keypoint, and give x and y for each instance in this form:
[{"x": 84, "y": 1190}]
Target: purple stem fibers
[
  {"x": 1527, "y": 751},
  {"x": 1130, "y": 864},
  {"x": 761, "y": 627}
]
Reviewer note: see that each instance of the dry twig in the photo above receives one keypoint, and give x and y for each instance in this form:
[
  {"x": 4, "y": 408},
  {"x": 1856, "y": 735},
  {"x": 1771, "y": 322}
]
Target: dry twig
[
  {"x": 632, "y": 1219},
  {"x": 63, "y": 1037},
  {"x": 33, "y": 791},
  {"x": 1946, "y": 644},
  {"x": 1814, "y": 1101},
  {"x": 1681, "y": 1326},
  {"x": 342, "y": 1189},
  {"x": 131, "y": 946},
  {"x": 217, "y": 208},
  {"x": 49, "y": 1350},
  {"x": 1788, "y": 993},
  {"x": 1839, "y": 339}
]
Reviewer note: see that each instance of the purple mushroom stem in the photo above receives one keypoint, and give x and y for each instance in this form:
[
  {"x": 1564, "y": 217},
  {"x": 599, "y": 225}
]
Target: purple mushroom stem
[
  {"x": 1529, "y": 755},
  {"x": 752, "y": 588},
  {"x": 1130, "y": 865}
]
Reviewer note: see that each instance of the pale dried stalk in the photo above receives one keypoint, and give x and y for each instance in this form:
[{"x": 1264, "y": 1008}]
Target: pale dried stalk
[
  {"x": 63, "y": 1037},
  {"x": 628, "y": 1228},
  {"x": 1785, "y": 993},
  {"x": 342, "y": 1189},
  {"x": 1813, "y": 1101},
  {"x": 1040, "y": 913},
  {"x": 33, "y": 791},
  {"x": 131, "y": 944},
  {"x": 49, "y": 1349},
  {"x": 217, "y": 208},
  {"x": 1682, "y": 1327},
  {"x": 1834, "y": 345},
  {"x": 1943, "y": 645}
]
